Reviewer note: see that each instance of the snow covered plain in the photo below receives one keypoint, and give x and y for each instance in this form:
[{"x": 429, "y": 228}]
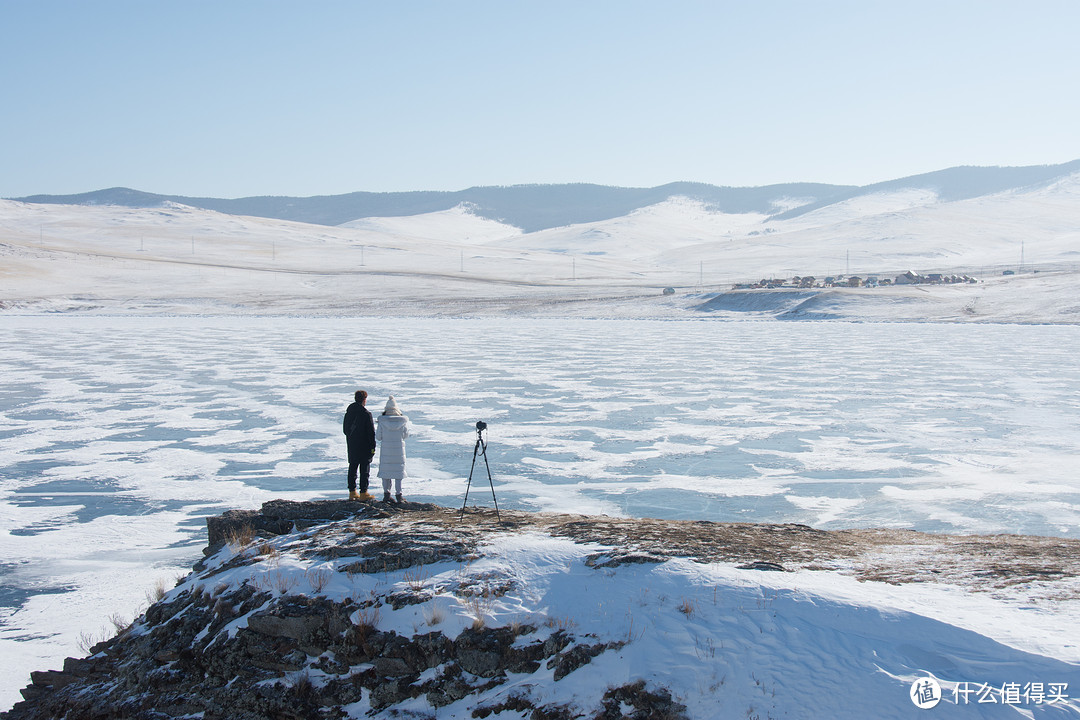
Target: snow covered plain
[
  {"x": 123, "y": 425},
  {"x": 180, "y": 260}
]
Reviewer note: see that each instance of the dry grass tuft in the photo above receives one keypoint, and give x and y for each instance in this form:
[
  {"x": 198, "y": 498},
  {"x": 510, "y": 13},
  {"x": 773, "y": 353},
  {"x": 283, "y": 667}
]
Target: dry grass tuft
[
  {"x": 240, "y": 537},
  {"x": 478, "y": 608},
  {"x": 319, "y": 578},
  {"x": 368, "y": 617},
  {"x": 223, "y": 609},
  {"x": 157, "y": 592},
  {"x": 688, "y": 607},
  {"x": 367, "y": 622},
  {"x": 89, "y": 640},
  {"x": 560, "y": 623},
  {"x": 121, "y": 624},
  {"x": 301, "y": 686},
  {"x": 433, "y": 615},
  {"x": 416, "y": 578},
  {"x": 282, "y": 582}
]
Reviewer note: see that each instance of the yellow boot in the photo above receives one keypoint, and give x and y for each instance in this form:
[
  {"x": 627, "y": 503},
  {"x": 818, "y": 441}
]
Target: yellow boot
[
  {"x": 364, "y": 496},
  {"x": 353, "y": 495}
]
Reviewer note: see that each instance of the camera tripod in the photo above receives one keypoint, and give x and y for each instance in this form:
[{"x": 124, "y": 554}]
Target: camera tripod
[{"x": 480, "y": 449}]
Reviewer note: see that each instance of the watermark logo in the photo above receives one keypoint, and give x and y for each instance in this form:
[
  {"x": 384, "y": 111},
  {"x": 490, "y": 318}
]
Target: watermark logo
[
  {"x": 1011, "y": 693},
  {"x": 925, "y": 693}
]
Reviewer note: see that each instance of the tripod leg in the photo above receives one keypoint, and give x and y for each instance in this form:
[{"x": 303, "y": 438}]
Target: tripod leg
[
  {"x": 469, "y": 483},
  {"x": 491, "y": 484}
]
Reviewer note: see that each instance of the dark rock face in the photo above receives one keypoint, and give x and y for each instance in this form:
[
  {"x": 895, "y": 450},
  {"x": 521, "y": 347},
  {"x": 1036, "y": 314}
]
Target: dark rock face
[
  {"x": 278, "y": 517},
  {"x": 261, "y": 671},
  {"x": 647, "y": 705},
  {"x": 250, "y": 653}
]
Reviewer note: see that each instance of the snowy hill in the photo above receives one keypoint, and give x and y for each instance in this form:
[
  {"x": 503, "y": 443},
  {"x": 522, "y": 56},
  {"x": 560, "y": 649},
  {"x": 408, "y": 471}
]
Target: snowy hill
[
  {"x": 408, "y": 611},
  {"x": 458, "y": 224},
  {"x": 540, "y": 207},
  {"x": 643, "y": 234},
  {"x": 168, "y": 257},
  {"x": 528, "y": 207},
  {"x": 959, "y": 183}
]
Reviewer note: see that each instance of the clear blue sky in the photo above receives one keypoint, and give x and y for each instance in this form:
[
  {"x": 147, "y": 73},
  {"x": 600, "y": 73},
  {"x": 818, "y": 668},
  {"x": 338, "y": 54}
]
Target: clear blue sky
[{"x": 230, "y": 98}]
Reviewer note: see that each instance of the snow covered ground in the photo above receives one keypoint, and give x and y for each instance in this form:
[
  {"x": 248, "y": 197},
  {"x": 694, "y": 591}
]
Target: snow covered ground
[{"x": 119, "y": 435}]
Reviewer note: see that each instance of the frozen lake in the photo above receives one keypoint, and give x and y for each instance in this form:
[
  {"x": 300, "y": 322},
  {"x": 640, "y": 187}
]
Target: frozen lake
[{"x": 119, "y": 435}]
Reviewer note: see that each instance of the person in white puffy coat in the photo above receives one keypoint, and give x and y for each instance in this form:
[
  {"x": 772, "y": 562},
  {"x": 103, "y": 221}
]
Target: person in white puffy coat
[{"x": 390, "y": 434}]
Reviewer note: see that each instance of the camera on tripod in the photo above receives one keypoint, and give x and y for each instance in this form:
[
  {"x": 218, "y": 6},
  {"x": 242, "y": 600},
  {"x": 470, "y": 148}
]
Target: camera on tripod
[{"x": 481, "y": 426}]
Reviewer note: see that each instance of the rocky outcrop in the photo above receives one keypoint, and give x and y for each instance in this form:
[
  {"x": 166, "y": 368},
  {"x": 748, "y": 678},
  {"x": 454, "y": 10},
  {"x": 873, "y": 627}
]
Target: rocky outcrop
[
  {"x": 278, "y": 517},
  {"x": 325, "y": 609},
  {"x": 253, "y": 652}
]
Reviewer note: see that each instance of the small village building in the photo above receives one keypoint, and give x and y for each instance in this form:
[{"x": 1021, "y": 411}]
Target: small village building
[{"x": 908, "y": 278}]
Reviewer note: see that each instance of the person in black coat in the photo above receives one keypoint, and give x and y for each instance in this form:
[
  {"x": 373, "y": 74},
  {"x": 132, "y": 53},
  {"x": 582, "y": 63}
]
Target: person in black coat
[{"x": 360, "y": 435}]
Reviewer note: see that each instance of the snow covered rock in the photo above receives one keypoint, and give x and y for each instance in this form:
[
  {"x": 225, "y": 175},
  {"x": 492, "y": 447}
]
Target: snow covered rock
[{"x": 409, "y": 611}]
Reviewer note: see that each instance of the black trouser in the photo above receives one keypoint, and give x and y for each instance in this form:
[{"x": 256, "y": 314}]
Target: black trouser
[{"x": 363, "y": 469}]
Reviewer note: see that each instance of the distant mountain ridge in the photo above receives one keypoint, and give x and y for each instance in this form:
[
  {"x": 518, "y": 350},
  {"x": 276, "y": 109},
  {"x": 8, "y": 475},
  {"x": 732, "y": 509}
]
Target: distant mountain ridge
[{"x": 539, "y": 207}]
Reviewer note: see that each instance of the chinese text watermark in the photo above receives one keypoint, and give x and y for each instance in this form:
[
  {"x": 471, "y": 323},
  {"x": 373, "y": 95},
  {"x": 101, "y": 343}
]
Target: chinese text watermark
[{"x": 927, "y": 693}]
